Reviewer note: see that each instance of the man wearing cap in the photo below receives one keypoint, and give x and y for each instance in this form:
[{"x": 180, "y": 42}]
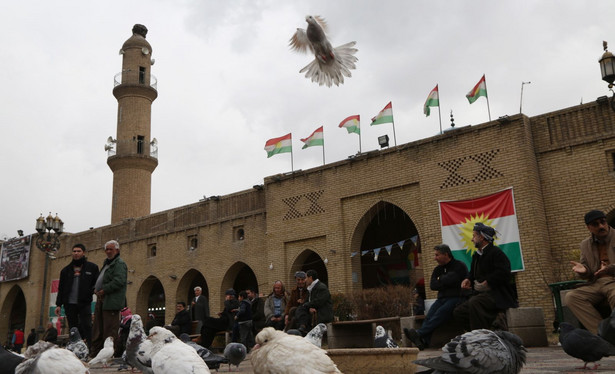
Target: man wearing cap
[
  {"x": 597, "y": 265},
  {"x": 318, "y": 304},
  {"x": 297, "y": 297},
  {"x": 490, "y": 282},
  {"x": 224, "y": 322}
]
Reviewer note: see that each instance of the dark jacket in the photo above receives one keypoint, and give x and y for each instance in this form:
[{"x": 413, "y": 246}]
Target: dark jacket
[
  {"x": 446, "y": 279},
  {"x": 494, "y": 267},
  {"x": 114, "y": 285},
  {"x": 51, "y": 335},
  {"x": 87, "y": 280},
  {"x": 200, "y": 309},
  {"x": 31, "y": 338},
  {"x": 245, "y": 311},
  {"x": 320, "y": 299},
  {"x": 228, "y": 314},
  {"x": 183, "y": 320},
  {"x": 258, "y": 313},
  {"x": 296, "y": 294}
]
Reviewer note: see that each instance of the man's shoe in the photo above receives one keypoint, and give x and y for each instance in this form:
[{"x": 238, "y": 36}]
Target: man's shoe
[{"x": 415, "y": 338}]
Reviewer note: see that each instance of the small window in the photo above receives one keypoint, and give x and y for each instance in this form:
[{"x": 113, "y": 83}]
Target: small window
[
  {"x": 141, "y": 75},
  {"x": 140, "y": 141},
  {"x": 193, "y": 242},
  {"x": 151, "y": 250},
  {"x": 238, "y": 234},
  {"x": 610, "y": 159}
]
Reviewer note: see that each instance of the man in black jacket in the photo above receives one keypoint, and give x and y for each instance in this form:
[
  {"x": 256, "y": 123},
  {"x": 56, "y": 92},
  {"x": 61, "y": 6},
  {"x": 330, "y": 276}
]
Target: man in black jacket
[
  {"x": 318, "y": 303},
  {"x": 75, "y": 291},
  {"x": 182, "y": 323},
  {"x": 490, "y": 279},
  {"x": 225, "y": 322},
  {"x": 446, "y": 278}
]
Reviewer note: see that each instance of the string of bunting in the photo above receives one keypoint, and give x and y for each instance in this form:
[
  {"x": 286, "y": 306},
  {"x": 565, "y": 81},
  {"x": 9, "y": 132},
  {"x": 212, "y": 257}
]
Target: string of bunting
[{"x": 388, "y": 248}]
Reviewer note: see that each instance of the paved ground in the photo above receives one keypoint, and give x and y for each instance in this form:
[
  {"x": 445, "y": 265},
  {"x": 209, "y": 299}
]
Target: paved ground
[{"x": 541, "y": 360}]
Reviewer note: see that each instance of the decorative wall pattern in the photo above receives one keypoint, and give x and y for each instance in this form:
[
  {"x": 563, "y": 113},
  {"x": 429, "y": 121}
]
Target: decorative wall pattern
[
  {"x": 297, "y": 205},
  {"x": 457, "y": 177}
]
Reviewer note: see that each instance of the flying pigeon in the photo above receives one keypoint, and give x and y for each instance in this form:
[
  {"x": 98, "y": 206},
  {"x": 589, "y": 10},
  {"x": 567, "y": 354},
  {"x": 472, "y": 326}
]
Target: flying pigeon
[
  {"x": 584, "y": 345},
  {"x": 479, "y": 352},
  {"x": 9, "y": 361},
  {"x": 383, "y": 340},
  {"x": 212, "y": 360},
  {"x": 105, "y": 354},
  {"x": 235, "y": 353},
  {"x": 315, "y": 335},
  {"x": 171, "y": 356},
  {"x": 44, "y": 357},
  {"x": 77, "y": 345},
  {"x": 138, "y": 347},
  {"x": 273, "y": 347},
  {"x": 330, "y": 64}
]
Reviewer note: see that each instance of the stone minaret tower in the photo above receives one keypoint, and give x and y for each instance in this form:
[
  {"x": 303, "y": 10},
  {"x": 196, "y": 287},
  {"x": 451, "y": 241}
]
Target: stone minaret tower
[{"x": 133, "y": 156}]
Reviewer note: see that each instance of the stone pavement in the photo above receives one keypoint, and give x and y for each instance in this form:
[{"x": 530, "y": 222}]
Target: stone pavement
[{"x": 540, "y": 360}]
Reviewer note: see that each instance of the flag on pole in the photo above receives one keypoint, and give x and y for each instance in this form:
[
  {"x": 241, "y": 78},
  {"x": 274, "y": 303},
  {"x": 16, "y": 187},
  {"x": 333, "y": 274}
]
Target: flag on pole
[
  {"x": 432, "y": 100},
  {"x": 497, "y": 210},
  {"x": 352, "y": 124},
  {"x": 315, "y": 139},
  {"x": 479, "y": 90},
  {"x": 385, "y": 115},
  {"x": 282, "y": 144}
]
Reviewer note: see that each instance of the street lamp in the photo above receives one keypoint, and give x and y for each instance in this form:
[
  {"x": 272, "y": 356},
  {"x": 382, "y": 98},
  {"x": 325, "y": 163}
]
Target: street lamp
[
  {"x": 49, "y": 230},
  {"x": 607, "y": 68}
]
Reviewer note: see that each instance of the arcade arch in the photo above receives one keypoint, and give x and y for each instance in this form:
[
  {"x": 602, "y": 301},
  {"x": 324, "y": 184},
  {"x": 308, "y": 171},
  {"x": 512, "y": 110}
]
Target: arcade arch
[
  {"x": 307, "y": 260},
  {"x": 151, "y": 300},
  {"x": 239, "y": 277},
  {"x": 14, "y": 306},
  {"x": 185, "y": 288}
]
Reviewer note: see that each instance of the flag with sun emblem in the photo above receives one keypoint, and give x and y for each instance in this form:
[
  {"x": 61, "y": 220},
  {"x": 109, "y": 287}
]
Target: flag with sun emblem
[{"x": 497, "y": 210}]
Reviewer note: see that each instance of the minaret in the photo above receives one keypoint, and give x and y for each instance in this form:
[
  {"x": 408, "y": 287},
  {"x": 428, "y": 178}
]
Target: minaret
[{"x": 132, "y": 156}]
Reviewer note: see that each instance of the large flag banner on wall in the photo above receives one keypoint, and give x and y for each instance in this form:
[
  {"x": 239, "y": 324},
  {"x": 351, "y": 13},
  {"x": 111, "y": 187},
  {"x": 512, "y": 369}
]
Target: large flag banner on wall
[{"x": 457, "y": 218}]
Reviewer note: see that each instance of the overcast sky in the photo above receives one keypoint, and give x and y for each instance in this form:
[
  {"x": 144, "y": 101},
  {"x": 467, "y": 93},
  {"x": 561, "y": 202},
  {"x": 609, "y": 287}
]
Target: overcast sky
[{"x": 228, "y": 82}]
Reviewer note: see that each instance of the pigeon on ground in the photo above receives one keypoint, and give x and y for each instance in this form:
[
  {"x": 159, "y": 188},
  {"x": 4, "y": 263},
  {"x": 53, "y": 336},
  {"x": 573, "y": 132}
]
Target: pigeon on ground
[
  {"x": 383, "y": 340},
  {"x": 104, "y": 355},
  {"x": 212, "y": 360},
  {"x": 9, "y": 361},
  {"x": 315, "y": 335},
  {"x": 77, "y": 345},
  {"x": 331, "y": 64},
  {"x": 479, "y": 352},
  {"x": 273, "y": 346},
  {"x": 138, "y": 347},
  {"x": 171, "y": 356},
  {"x": 584, "y": 345},
  {"x": 235, "y": 353},
  {"x": 48, "y": 358}
]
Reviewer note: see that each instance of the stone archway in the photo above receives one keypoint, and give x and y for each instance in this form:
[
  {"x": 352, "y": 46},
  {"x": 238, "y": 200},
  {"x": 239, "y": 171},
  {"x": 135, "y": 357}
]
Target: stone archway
[
  {"x": 185, "y": 288},
  {"x": 239, "y": 277},
  {"x": 307, "y": 260},
  {"x": 151, "y": 300},
  {"x": 388, "y": 244},
  {"x": 13, "y": 311}
]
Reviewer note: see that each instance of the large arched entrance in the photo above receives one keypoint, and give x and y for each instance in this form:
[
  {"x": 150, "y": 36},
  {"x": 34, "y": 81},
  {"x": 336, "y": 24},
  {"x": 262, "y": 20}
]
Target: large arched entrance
[
  {"x": 151, "y": 300},
  {"x": 308, "y": 260},
  {"x": 185, "y": 288},
  {"x": 388, "y": 245},
  {"x": 14, "y": 306},
  {"x": 239, "y": 277}
]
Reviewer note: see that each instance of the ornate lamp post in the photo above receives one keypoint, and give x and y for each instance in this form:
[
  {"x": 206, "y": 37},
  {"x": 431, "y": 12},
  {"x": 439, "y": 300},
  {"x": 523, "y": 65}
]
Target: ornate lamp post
[
  {"x": 607, "y": 68},
  {"x": 49, "y": 230}
]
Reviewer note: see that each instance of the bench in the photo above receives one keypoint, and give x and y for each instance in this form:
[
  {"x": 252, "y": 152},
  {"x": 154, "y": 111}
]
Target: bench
[{"x": 360, "y": 334}]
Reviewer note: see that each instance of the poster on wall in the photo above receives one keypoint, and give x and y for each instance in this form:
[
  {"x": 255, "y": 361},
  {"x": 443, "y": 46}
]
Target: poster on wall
[{"x": 14, "y": 258}]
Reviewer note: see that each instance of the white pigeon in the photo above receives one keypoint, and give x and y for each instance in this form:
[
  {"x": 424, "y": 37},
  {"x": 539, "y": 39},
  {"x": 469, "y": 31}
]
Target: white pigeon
[
  {"x": 171, "y": 356},
  {"x": 77, "y": 345},
  {"x": 383, "y": 340},
  {"x": 273, "y": 347},
  {"x": 48, "y": 358},
  {"x": 138, "y": 347},
  {"x": 235, "y": 353},
  {"x": 104, "y": 355},
  {"x": 315, "y": 335},
  {"x": 330, "y": 64}
]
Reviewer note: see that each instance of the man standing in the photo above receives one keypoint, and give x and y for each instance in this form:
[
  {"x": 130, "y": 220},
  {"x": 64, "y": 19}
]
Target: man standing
[
  {"x": 200, "y": 307},
  {"x": 258, "y": 310},
  {"x": 446, "y": 278},
  {"x": 318, "y": 303},
  {"x": 31, "y": 338},
  {"x": 75, "y": 291},
  {"x": 110, "y": 292},
  {"x": 297, "y": 297},
  {"x": 597, "y": 265},
  {"x": 490, "y": 279},
  {"x": 17, "y": 340}
]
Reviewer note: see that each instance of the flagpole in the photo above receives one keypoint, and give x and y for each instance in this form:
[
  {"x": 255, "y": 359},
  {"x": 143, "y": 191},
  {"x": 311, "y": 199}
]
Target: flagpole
[
  {"x": 393, "y": 122},
  {"x": 487, "y": 97},
  {"x": 439, "y": 115},
  {"x": 292, "y": 168},
  {"x": 323, "y": 145}
]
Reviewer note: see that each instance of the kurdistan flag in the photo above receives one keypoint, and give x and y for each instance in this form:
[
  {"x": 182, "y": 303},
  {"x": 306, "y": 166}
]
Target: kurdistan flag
[
  {"x": 352, "y": 124},
  {"x": 279, "y": 145},
  {"x": 315, "y": 139},
  {"x": 433, "y": 99},
  {"x": 385, "y": 115},
  {"x": 496, "y": 210},
  {"x": 479, "y": 90}
]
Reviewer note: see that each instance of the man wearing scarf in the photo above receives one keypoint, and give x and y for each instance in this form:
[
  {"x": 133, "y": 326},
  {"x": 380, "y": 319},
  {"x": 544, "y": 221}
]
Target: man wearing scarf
[
  {"x": 490, "y": 281},
  {"x": 75, "y": 291},
  {"x": 110, "y": 292}
]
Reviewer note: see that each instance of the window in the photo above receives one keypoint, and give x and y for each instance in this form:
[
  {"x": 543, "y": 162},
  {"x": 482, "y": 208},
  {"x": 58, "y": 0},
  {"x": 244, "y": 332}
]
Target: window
[
  {"x": 151, "y": 250},
  {"x": 140, "y": 142},
  {"x": 238, "y": 233},
  {"x": 141, "y": 75},
  {"x": 193, "y": 242}
]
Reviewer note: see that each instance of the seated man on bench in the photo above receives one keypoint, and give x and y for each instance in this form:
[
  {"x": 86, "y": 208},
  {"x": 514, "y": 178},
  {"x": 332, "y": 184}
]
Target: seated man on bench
[{"x": 224, "y": 323}]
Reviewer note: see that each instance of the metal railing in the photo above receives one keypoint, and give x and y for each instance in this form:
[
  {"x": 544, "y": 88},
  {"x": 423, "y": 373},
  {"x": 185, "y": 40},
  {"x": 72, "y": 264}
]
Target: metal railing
[{"x": 135, "y": 77}]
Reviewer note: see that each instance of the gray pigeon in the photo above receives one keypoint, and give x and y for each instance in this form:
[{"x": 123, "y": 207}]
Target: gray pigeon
[
  {"x": 315, "y": 335},
  {"x": 77, "y": 345},
  {"x": 479, "y": 352},
  {"x": 330, "y": 64},
  {"x": 236, "y": 353},
  {"x": 9, "y": 361},
  {"x": 212, "y": 360},
  {"x": 584, "y": 345},
  {"x": 138, "y": 347},
  {"x": 383, "y": 340}
]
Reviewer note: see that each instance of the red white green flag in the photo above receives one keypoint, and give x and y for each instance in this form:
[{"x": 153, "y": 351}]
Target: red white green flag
[
  {"x": 315, "y": 139},
  {"x": 497, "y": 210},
  {"x": 479, "y": 90},
  {"x": 352, "y": 124},
  {"x": 433, "y": 99},
  {"x": 282, "y": 144},
  {"x": 385, "y": 115}
]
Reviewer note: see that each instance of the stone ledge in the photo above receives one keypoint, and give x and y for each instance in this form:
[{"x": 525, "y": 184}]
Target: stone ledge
[{"x": 375, "y": 360}]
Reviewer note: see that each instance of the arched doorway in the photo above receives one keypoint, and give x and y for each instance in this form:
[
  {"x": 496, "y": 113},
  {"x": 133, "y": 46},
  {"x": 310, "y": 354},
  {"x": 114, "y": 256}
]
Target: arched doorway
[
  {"x": 239, "y": 277},
  {"x": 190, "y": 280},
  {"x": 388, "y": 245},
  {"x": 307, "y": 260},
  {"x": 14, "y": 306},
  {"x": 151, "y": 300}
]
